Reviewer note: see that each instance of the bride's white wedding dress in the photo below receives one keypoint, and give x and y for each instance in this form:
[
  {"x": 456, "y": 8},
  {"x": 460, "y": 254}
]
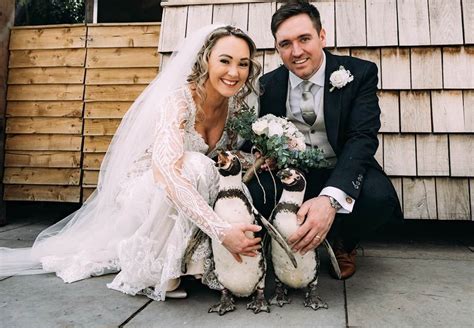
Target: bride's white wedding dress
[{"x": 165, "y": 195}]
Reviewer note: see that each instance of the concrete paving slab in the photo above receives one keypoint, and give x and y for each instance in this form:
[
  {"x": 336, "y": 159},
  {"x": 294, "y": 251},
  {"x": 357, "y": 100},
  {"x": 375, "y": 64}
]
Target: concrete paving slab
[
  {"x": 192, "y": 312},
  {"x": 416, "y": 250},
  {"x": 27, "y": 232},
  {"x": 15, "y": 243},
  {"x": 391, "y": 292},
  {"x": 45, "y": 301}
]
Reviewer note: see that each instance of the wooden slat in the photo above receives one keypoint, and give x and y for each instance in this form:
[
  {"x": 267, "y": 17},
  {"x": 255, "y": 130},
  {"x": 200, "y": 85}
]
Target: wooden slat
[
  {"x": 372, "y": 55},
  {"x": 100, "y": 127},
  {"x": 42, "y": 193},
  {"x": 43, "y": 142},
  {"x": 389, "y": 106},
  {"x": 46, "y": 92},
  {"x": 47, "y": 58},
  {"x": 350, "y": 23},
  {"x": 90, "y": 178},
  {"x": 96, "y": 144},
  {"x": 41, "y": 176},
  {"x": 106, "y": 109},
  {"x": 113, "y": 92},
  {"x": 48, "y": 38},
  {"x": 415, "y": 111},
  {"x": 379, "y": 154},
  {"x": 44, "y": 108},
  {"x": 419, "y": 200},
  {"x": 432, "y": 155},
  {"x": 471, "y": 192},
  {"x": 173, "y": 28},
  {"x": 232, "y": 14},
  {"x": 44, "y": 125},
  {"x": 46, "y": 75},
  {"x": 326, "y": 11},
  {"x": 468, "y": 22},
  {"x": 260, "y": 15},
  {"x": 340, "y": 51},
  {"x": 92, "y": 161},
  {"x": 382, "y": 23},
  {"x": 445, "y": 22},
  {"x": 468, "y": 97},
  {"x": 86, "y": 193},
  {"x": 452, "y": 196},
  {"x": 448, "y": 111},
  {"x": 413, "y": 22},
  {"x": 198, "y": 16},
  {"x": 458, "y": 67},
  {"x": 399, "y": 154},
  {"x": 426, "y": 68},
  {"x": 271, "y": 61},
  {"x": 59, "y": 159},
  {"x": 122, "y": 57},
  {"x": 120, "y": 75},
  {"x": 395, "y": 68},
  {"x": 123, "y": 36},
  {"x": 461, "y": 155}
]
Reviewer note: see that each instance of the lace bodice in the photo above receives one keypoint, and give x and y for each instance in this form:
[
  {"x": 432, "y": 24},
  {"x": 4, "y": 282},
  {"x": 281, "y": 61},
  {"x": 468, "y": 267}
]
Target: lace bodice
[{"x": 176, "y": 134}]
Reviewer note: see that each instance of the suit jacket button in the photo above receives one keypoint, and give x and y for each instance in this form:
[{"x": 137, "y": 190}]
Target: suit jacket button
[
  {"x": 312, "y": 131},
  {"x": 349, "y": 200}
]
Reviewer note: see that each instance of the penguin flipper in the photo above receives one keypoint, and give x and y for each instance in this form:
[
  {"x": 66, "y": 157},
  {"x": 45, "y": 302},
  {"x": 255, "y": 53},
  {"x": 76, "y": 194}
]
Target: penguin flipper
[
  {"x": 198, "y": 237},
  {"x": 273, "y": 232},
  {"x": 333, "y": 259}
]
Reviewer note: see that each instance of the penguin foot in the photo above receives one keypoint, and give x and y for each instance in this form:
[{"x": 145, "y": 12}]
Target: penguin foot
[
  {"x": 281, "y": 296},
  {"x": 225, "y": 305},
  {"x": 259, "y": 303},
  {"x": 315, "y": 302}
]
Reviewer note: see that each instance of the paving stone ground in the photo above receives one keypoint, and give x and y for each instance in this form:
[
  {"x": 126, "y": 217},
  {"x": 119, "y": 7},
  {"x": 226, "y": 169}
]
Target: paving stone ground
[{"x": 418, "y": 275}]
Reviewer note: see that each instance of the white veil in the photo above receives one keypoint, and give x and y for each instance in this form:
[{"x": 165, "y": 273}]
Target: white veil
[{"x": 92, "y": 228}]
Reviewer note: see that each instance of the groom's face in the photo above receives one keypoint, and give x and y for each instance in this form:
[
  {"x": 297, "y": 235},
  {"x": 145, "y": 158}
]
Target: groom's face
[{"x": 300, "y": 46}]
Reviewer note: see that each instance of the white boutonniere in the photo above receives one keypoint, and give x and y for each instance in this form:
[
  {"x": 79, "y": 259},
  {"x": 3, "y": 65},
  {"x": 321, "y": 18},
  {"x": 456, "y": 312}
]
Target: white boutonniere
[{"x": 340, "y": 78}]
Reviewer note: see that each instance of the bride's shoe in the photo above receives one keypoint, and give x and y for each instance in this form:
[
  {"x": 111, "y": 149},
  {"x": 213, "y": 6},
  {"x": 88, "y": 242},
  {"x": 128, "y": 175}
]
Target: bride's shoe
[{"x": 177, "y": 293}]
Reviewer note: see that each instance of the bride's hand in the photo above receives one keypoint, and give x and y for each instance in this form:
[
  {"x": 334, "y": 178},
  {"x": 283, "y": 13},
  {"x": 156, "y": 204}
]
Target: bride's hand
[{"x": 238, "y": 243}]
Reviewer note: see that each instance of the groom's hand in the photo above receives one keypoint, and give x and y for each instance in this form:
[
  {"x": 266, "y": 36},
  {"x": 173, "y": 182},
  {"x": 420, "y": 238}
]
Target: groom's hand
[{"x": 318, "y": 216}]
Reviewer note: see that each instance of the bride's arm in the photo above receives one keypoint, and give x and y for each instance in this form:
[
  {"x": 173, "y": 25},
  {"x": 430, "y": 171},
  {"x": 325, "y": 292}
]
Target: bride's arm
[{"x": 168, "y": 152}]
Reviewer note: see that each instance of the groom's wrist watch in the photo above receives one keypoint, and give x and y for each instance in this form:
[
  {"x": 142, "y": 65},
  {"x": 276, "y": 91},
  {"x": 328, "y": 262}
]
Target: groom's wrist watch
[{"x": 334, "y": 203}]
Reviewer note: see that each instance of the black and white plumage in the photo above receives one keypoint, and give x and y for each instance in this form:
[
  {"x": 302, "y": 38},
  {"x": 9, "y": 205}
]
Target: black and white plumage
[
  {"x": 229, "y": 276},
  {"x": 284, "y": 218}
]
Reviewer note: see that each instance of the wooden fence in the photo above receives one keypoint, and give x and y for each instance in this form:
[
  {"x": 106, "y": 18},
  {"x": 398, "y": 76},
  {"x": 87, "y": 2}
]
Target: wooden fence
[
  {"x": 425, "y": 54},
  {"x": 68, "y": 88}
]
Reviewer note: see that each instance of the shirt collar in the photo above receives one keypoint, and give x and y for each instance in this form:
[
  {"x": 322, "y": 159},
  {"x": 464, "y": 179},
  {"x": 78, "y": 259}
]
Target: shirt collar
[{"x": 317, "y": 78}]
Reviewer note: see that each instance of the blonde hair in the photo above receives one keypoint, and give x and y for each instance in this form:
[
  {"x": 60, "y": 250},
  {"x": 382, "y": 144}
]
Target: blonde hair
[{"x": 200, "y": 71}]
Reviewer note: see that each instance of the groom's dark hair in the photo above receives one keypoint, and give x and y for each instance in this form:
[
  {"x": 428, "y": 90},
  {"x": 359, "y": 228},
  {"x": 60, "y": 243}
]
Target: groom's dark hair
[{"x": 293, "y": 8}]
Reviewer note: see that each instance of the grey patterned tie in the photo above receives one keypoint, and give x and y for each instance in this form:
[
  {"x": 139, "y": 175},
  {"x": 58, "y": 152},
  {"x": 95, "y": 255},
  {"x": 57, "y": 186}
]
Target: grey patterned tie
[{"x": 307, "y": 103}]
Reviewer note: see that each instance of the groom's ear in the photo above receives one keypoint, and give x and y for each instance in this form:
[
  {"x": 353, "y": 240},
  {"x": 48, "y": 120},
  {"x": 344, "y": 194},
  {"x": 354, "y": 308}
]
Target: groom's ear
[{"x": 322, "y": 37}]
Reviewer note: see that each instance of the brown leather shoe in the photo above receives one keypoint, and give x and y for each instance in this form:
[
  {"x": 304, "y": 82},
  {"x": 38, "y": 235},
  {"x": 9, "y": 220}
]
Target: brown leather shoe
[{"x": 346, "y": 261}]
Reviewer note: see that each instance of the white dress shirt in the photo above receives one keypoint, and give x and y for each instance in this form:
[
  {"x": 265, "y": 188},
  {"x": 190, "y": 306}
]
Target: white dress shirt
[{"x": 294, "y": 99}]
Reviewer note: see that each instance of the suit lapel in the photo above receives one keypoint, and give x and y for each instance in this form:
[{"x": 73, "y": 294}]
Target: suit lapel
[
  {"x": 280, "y": 91},
  {"x": 332, "y": 102}
]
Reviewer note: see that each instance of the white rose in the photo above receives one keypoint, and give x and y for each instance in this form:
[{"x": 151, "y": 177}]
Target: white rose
[
  {"x": 291, "y": 129},
  {"x": 340, "y": 78},
  {"x": 275, "y": 129},
  {"x": 300, "y": 144},
  {"x": 259, "y": 127}
]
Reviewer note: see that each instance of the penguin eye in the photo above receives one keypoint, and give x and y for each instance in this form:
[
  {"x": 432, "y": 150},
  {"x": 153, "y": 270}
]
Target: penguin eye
[{"x": 298, "y": 177}]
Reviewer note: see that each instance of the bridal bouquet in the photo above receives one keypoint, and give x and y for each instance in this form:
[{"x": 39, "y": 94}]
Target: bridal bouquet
[{"x": 274, "y": 137}]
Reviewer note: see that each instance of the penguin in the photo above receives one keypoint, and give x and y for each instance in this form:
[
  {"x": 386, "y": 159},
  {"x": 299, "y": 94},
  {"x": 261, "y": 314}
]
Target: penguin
[
  {"x": 225, "y": 273},
  {"x": 284, "y": 217}
]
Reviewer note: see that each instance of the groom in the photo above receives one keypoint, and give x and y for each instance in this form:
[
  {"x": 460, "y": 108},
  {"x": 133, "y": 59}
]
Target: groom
[{"x": 333, "y": 102}]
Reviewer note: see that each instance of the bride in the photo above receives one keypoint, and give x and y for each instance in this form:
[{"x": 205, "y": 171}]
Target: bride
[{"x": 157, "y": 180}]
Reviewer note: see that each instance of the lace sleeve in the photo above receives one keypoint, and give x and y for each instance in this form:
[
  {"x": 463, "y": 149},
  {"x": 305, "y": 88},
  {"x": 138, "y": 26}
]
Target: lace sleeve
[{"x": 168, "y": 151}]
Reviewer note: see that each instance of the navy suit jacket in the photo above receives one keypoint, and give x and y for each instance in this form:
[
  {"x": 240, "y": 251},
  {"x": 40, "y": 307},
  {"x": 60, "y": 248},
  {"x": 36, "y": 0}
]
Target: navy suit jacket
[{"x": 352, "y": 117}]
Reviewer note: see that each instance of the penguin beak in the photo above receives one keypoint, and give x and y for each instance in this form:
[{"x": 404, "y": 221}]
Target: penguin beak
[
  {"x": 222, "y": 158},
  {"x": 283, "y": 174}
]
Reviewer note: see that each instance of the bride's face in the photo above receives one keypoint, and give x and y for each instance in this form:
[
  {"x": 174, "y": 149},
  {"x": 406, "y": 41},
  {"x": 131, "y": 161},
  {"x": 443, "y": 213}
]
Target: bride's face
[{"x": 229, "y": 66}]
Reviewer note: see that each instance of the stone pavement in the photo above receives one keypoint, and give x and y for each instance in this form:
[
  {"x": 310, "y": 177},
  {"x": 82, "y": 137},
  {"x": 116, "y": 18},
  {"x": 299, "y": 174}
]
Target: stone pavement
[{"x": 421, "y": 277}]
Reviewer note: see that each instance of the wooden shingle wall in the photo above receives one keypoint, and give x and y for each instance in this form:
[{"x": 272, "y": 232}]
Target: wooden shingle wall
[
  {"x": 68, "y": 88},
  {"x": 424, "y": 50}
]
